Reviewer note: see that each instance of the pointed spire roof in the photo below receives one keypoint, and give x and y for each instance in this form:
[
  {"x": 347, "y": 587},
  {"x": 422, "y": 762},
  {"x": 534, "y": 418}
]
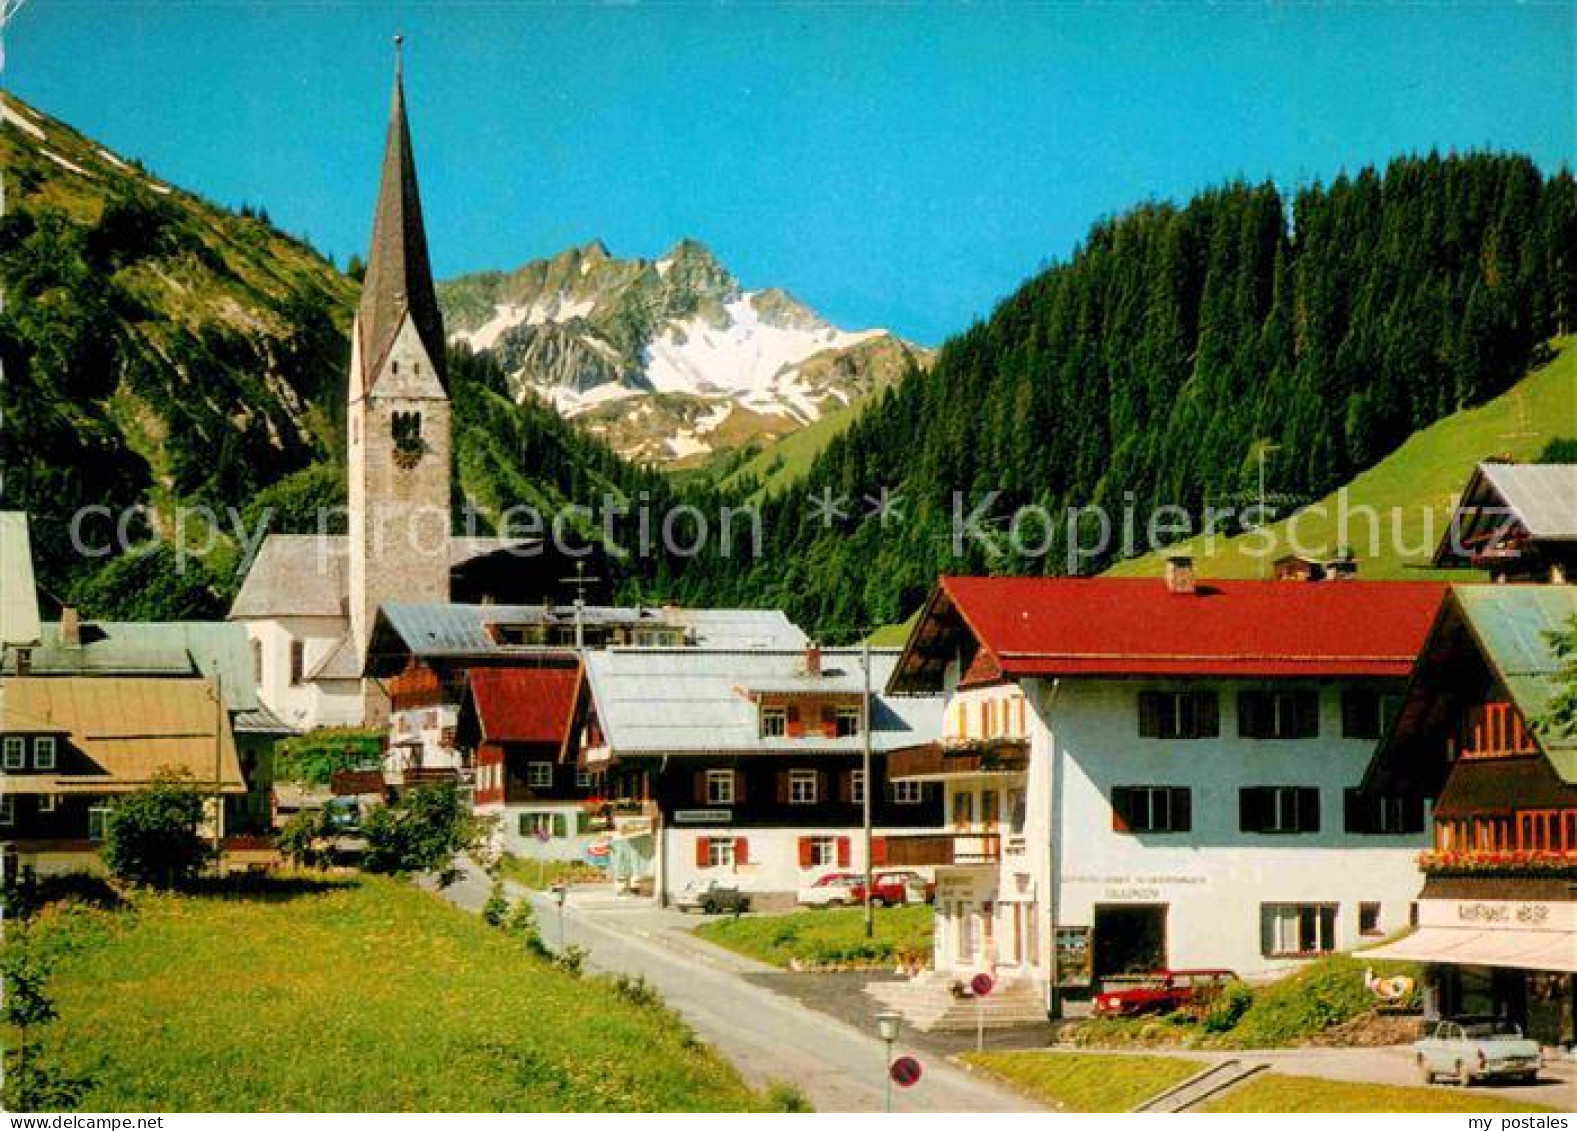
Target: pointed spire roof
[{"x": 399, "y": 278}]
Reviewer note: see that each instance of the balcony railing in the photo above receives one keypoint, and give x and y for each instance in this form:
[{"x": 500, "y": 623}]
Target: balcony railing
[
  {"x": 1496, "y": 730},
  {"x": 945, "y": 848},
  {"x": 956, "y": 757}
]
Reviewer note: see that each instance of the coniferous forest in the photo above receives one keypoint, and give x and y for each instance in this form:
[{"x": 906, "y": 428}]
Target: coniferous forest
[{"x": 1326, "y": 325}]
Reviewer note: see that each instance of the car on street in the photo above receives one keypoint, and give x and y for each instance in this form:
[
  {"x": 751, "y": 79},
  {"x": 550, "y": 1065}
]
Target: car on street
[
  {"x": 712, "y": 897},
  {"x": 1161, "y": 992},
  {"x": 835, "y": 889},
  {"x": 1474, "y": 1047}
]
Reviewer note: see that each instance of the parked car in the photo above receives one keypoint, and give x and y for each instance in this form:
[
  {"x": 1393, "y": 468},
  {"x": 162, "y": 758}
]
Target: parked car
[
  {"x": 895, "y": 888},
  {"x": 1162, "y": 992},
  {"x": 711, "y": 897},
  {"x": 835, "y": 889},
  {"x": 1472, "y": 1048}
]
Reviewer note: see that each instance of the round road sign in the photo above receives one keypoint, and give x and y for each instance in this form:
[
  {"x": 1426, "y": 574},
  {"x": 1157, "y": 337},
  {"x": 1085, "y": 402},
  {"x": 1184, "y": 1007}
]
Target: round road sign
[
  {"x": 905, "y": 1071},
  {"x": 981, "y": 985}
]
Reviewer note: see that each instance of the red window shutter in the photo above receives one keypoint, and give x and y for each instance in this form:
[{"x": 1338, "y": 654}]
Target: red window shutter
[
  {"x": 1120, "y": 806},
  {"x": 878, "y": 851},
  {"x": 739, "y": 787},
  {"x": 701, "y": 851},
  {"x": 741, "y": 850},
  {"x": 846, "y": 787},
  {"x": 821, "y": 787},
  {"x": 843, "y": 852},
  {"x": 804, "y": 852},
  {"x": 700, "y": 787},
  {"x": 783, "y": 787}
]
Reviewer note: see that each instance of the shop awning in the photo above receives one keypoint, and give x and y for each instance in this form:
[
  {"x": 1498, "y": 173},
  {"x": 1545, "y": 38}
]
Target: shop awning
[{"x": 1465, "y": 946}]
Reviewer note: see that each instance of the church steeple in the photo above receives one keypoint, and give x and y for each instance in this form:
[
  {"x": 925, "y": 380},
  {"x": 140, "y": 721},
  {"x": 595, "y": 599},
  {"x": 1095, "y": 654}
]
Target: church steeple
[{"x": 399, "y": 278}]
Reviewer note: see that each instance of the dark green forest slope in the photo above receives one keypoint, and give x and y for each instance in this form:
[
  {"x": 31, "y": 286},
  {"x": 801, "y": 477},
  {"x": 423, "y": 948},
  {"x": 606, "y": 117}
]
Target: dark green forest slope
[{"x": 1154, "y": 365}]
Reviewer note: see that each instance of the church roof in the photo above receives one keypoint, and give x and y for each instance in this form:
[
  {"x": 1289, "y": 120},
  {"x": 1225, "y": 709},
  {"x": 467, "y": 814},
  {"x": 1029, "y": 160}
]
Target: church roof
[{"x": 399, "y": 279}]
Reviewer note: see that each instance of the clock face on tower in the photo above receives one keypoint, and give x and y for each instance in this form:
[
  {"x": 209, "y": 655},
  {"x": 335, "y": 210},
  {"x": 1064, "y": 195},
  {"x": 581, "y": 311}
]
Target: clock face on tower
[{"x": 406, "y": 428}]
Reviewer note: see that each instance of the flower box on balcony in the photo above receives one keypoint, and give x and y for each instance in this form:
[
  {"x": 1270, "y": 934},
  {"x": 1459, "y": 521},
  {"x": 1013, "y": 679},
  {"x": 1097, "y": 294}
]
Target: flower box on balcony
[{"x": 1488, "y": 863}]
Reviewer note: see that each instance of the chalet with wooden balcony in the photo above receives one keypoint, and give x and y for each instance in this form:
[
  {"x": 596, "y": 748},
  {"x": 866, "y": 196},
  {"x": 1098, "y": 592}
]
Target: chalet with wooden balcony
[
  {"x": 1497, "y": 920},
  {"x": 1142, "y": 773},
  {"x": 1517, "y": 521},
  {"x": 754, "y": 762}
]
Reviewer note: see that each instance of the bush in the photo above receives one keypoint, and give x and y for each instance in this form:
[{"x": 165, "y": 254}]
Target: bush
[
  {"x": 571, "y": 960},
  {"x": 1325, "y": 993},
  {"x": 636, "y": 990},
  {"x": 151, "y": 837},
  {"x": 307, "y": 838},
  {"x": 427, "y": 830},
  {"x": 496, "y": 910},
  {"x": 1228, "y": 1007},
  {"x": 787, "y": 1096}
]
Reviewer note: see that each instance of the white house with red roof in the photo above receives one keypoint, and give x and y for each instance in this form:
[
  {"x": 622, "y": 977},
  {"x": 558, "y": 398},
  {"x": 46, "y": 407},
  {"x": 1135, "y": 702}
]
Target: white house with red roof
[{"x": 1145, "y": 774}]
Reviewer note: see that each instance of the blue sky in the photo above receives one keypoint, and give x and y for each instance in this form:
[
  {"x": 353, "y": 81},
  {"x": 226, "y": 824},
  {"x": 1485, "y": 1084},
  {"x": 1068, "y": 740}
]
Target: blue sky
[{"x": 897, "y": 166}]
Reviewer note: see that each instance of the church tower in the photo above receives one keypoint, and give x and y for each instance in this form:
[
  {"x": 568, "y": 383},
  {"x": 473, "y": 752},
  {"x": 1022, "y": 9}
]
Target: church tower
[{"x": 398, "y": 418}]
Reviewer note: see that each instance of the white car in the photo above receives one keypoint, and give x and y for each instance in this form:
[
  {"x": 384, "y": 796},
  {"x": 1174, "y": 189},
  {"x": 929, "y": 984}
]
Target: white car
[{"x": 835, "y": 889}]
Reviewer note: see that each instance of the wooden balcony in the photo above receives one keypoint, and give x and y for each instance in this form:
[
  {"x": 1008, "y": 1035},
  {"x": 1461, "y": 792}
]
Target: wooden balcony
[
  {"x": 944, "y": 848},
  {"x": 956, "y": 758},
  {"x": 1496, "y": 730}
]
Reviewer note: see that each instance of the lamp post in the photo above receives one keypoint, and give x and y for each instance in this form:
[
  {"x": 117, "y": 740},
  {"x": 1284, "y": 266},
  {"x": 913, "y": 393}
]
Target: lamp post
[
  {"x": 888, "y": 1022},
  {"x": 560, "y": 892}
]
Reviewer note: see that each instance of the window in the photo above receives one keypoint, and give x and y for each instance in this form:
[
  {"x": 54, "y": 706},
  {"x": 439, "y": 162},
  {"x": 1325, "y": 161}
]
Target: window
[
  {"x": 1376, "y": 813},
  {"x": 1278, "y": 714},
  {"x": 406, "y": 430},
  {"x": 1369, "y": 919},
  {"x": 47, "y": 803},
  {"x": 963, "y": 808},
  {"x": 15, "y": 757},
  {"x": 257, "y": 661},
  {"x": 583, "y": 778},
  {"x": 1294, "y": 929},
  {"x": 1362, "y": 713},
  {"x": 298, "y": 661},
  {"x": 720, "y": 787},
  {"x": 539, "y": 775},
  {"x": 1279, "y": 809},
  {"x": 544, "y": 826},
  {"x": 857, "y": 787},
  {"x": 802, "y": 787},
  {"x": 774, "y": 722},
  {"x": 8, "y": 809},
  {"x": 1179, "y": 714},
  {"x": 719, "y": 851},
  {"x": 98, "y": 821},
  {"x": 44, "y": 752},
  {"x": 846, "y": 722},
  {"x": 1151, "y": 809},
  {"x": 907, "y": 793},
  {"x": 823, "y": 851}
]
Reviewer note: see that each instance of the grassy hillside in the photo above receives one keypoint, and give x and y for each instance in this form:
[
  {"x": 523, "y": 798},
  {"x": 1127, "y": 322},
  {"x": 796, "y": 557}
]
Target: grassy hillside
[
  {"x": 1418, "y": 483},
  {"x": 371, "y": 996},
  {"x": 790, "y": 458}
]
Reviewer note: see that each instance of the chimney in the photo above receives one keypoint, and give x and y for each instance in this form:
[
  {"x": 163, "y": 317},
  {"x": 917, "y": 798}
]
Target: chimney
[
  {"x": 1180, "y": 574},
  {"x": 70, "y": 628},
  {"x": 813, "y": 659}
]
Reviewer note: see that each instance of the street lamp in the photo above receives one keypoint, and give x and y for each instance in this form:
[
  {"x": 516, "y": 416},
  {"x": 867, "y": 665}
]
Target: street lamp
[
  {"x": 560, "y": 892},
  {"x": 888, "y": 1022}
]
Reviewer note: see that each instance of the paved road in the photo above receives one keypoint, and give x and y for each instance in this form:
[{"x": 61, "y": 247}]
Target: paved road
[{"x": 768, "y": 1037}]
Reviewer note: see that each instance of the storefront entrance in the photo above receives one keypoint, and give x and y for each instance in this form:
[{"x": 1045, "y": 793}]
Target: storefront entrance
[{"x": 1129, "y": 938}]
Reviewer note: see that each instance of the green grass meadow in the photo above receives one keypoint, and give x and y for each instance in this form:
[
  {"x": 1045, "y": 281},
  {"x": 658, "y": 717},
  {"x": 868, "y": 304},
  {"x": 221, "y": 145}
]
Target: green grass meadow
[
  {"x": 1273, "y": 1092},
  {"x": 369, "y": 995},
  {"x": 1082, "y": 1081},
  {"x": 825, "y": 938}
]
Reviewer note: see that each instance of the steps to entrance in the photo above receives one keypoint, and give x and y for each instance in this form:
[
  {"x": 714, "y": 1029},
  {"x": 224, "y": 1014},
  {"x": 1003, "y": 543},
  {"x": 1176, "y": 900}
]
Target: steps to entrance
[
  {"x": 928, "y": 1003},
  {"x": 1202, "y": 1086}
]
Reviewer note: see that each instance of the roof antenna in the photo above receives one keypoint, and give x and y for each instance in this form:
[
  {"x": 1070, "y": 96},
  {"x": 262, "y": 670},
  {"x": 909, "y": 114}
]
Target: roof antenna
[{"x": 580, "y": 581}]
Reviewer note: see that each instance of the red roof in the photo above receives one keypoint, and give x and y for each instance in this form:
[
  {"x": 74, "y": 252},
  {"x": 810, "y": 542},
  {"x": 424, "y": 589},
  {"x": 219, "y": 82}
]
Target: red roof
[
  {"x": 1036, "y": 626},
  {"x": 525, "y": 704}
]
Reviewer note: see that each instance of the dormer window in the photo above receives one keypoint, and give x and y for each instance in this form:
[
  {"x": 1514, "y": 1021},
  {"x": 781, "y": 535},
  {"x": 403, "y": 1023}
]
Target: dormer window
[{"x": 774, "y": 722}]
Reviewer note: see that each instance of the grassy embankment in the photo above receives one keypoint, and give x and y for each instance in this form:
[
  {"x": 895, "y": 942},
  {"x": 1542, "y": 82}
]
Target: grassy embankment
[
  {"x": 826, "y": 938},
  {"x": 542, "y": 874},
  {"x": 366, "y": 995},
  {"x": 1273, "y": 1092}
]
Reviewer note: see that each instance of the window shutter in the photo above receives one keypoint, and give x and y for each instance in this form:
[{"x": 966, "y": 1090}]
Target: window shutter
[
  {"x": 560, "y": 826},
  {"x": 783, "y": 787},
  {"x": 1207, "y": 714},
  {"x": 1251, "y": 712},
  {"x": 1308, "y": 810},
  {"x": 1182, "y": 809},
  {"x": 1122, "y": 805},
  {"x": 741, "y": 850},
  {"x": 1413, "y": 815},
  {"x": 1354, "y": 817},
  {"x": 821, "y": 786},
  {"x": 739, "y": 787},
  {"x": 700, "y": 851},
  {"x": 846, "y": 787},
  {"x": 804, "y": 852},
  {"x": 878, "y": 851},
  {"x": 1307, "y": 711},
  {"x": 1251, "y": 808},
  {"x": 843, "y": 852},
  {"x": 1149, "y": 714},
  {"x": 700, "y": 787}
]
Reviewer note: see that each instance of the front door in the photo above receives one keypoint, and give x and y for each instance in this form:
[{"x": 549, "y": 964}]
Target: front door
[{"x": 1129, "y": 938}]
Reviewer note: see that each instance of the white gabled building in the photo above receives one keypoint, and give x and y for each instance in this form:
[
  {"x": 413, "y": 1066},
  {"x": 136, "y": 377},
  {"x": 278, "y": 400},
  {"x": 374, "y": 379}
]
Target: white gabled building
[{"x": 1144, "y": 775}]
